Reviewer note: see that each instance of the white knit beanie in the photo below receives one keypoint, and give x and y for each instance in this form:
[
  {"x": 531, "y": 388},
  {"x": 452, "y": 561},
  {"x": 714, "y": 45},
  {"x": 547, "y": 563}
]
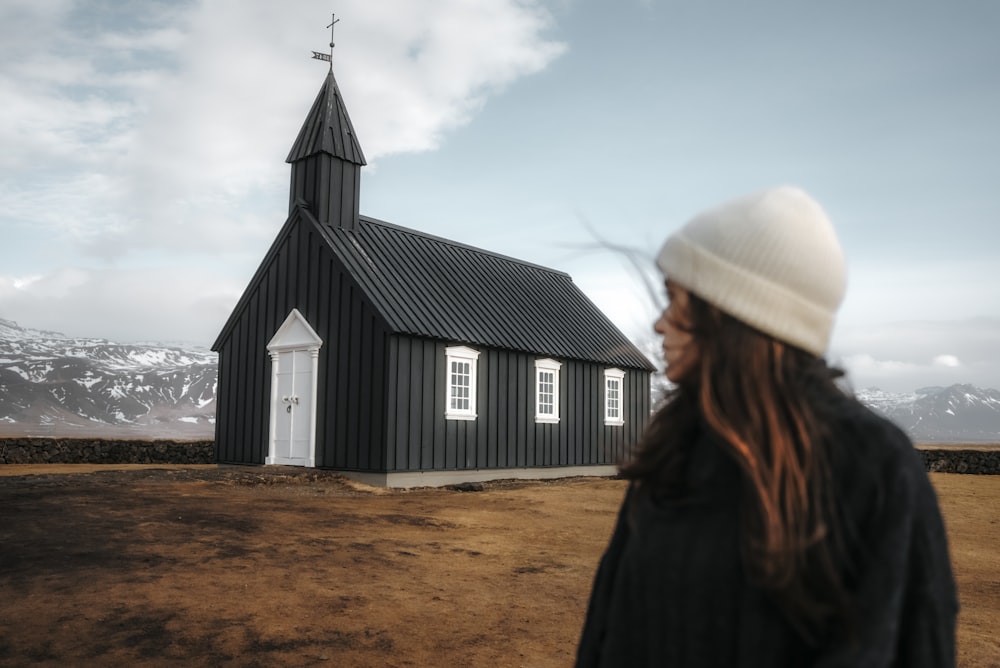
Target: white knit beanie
[{"x": 770, "y": 259}]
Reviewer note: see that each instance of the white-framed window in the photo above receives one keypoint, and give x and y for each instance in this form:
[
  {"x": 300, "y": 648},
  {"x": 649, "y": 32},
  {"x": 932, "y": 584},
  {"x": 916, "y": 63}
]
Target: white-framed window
[
  {"x": 614, "y": 397},
  {"x": 547, "y": 390},
  {"x": 460, "y": 379}
]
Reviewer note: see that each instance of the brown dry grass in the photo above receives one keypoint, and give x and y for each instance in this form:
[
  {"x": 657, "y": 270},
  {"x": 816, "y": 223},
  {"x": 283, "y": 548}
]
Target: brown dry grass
[
  {"x": 971, "y": 507},
  {"x": 209, "y": 566}
]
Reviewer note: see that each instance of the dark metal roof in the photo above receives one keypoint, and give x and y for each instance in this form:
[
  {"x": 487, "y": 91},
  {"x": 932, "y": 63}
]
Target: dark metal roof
[
  {"x": 428, "y": 286},
  {"x": 328, "y": 128},
  {"x": 423, "y": 285}
]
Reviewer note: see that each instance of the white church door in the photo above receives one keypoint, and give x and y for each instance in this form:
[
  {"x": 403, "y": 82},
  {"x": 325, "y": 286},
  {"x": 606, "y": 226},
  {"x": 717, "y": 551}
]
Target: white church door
[
  {"x": 293, "y": 414},
  {"x": 294, "y": 351}
]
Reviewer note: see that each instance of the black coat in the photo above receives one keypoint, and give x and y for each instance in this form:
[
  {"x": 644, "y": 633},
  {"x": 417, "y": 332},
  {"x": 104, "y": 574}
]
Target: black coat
[{"x": 671, "y": 589}]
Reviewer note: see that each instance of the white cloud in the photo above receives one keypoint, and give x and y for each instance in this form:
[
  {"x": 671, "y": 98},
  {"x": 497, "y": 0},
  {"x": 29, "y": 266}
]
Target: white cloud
[
  {"x": 949, "y": 361},
  {"x": 436, "y": 62},
  {"x": 149, "y": 130},
  {"x": 19, "y": 282},
  {"x": 123, "y": 304},
  {"x": 903, "y": 356},
  {"x": 162, "y": 128}
]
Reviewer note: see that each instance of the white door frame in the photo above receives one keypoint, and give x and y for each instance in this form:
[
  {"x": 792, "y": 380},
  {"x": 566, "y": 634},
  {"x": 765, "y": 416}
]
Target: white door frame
[{"x": 294, "y": 335}]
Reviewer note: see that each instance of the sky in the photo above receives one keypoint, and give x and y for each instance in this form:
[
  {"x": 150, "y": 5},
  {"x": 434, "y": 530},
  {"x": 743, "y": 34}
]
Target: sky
[{"x": 142, "y": 148}]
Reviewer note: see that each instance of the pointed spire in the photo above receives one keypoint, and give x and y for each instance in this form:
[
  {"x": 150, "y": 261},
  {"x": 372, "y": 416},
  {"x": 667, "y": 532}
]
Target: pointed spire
[
  {"x": 326, "y": 157},
  {"x": 328, "y": 128}
]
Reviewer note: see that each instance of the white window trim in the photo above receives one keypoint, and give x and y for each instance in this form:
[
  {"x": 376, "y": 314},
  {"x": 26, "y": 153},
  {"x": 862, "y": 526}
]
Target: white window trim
[
  {"x": 460, "y": 354},
  {"x": 553, "y": 367},
  {"x": 619, "y": 376}
]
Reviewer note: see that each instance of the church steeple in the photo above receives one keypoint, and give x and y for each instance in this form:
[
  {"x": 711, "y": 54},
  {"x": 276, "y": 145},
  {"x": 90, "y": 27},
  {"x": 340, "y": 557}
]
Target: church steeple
[{"x": 326, "y": 161}]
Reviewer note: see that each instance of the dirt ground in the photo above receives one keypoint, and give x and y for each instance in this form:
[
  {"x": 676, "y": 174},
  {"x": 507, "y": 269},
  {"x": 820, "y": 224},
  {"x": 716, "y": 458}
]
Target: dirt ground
[{"x": 208, "y": 566}]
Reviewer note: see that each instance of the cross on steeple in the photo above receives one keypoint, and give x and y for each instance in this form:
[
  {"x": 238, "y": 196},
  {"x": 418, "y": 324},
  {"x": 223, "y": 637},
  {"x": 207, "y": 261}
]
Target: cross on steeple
[{"x": 323, "y": 56}]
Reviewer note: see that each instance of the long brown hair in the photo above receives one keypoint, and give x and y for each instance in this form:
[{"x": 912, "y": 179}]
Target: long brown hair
[{"x": 763, "y": 399}]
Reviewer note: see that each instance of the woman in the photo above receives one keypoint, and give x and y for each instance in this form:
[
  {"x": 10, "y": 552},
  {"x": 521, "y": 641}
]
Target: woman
[{"x": 771, "y": 519}]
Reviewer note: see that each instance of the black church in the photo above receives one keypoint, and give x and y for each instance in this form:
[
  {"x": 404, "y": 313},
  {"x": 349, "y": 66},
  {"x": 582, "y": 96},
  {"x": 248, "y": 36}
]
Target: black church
[{"x": 404, "y": 359}]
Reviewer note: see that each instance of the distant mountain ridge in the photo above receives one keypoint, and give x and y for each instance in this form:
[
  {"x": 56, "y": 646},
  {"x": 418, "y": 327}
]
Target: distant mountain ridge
[
  {"x": 955, "y": 414},
  {"x": 56, "y": 385}
]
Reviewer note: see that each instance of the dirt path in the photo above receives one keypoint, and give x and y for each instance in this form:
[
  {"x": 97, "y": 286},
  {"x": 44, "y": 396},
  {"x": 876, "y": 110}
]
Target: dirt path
[{"x": 204, "y": 566}]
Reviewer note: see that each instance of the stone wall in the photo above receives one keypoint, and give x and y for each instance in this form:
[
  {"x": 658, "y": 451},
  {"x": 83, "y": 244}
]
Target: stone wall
[
  {"x": 954, "y": 460},
  {"x": 97, "y": 451}
]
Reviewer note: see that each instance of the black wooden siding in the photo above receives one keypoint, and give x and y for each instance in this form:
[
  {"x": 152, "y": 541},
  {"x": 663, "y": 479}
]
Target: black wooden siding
[
  {"x": 301, "y": 272},
  {"x": 381, "y": 396},
  {"x": 505, "y": 434},
  {"x": 331, "y": 187}
]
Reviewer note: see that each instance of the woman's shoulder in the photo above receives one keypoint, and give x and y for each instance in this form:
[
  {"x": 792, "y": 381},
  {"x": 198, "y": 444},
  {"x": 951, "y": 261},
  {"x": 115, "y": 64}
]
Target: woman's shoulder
[{"x": 867, "y": 444}]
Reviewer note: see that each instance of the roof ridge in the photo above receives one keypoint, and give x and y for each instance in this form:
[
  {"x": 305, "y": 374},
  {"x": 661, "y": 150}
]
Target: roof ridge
[{"x": 459, "y": 244}]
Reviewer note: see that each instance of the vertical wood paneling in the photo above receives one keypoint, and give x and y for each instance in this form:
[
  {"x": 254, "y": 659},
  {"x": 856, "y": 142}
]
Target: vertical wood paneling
[
  {"x": 324, "y": 193},
  {"x": 480, "y": 453},
  {"x": 592, "y": 413},
  {"x": 415, "y": 382},
  {"x": 334, "y": 371},
  {"x": 447, "y": 452},
  {"x": 340, "y": 371},
  {"x": 355, "y": 380},
  {"x": 452, "y": 434},
  {"x": 503, "y": 425},
  {"x": 516, "y": 442},
  {"x": 439, "y": 403},
  {"x": 505, "y": 434},
  {"x": 379, "y": 394},
  {"x": 392, "y": 401},
  {"x": 403, "y": 404},
  {"x": 574, "y": 406},
  {"x": 428, "y": 441},
  {"x": 587, "y": 401},
  {"x": 316, "y": 309},
  {"x": 563, "y": 434},
  {"x": 262, "y": 368},
  {"x": 526, "y": 437},
  {"x": 444, "y": 429},
  {"x": 324, "y": 282},
  {"x": 365, "y": 445},
  {"x": 493, "y": 409},
  {"x": 255, "y": 372},
  {"x": 242, "y": 426},
  {"x": 245, "y": 426}
]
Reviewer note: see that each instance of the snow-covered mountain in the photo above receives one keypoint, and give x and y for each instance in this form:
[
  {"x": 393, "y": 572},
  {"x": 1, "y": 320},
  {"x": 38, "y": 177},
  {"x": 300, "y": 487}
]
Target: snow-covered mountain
[
  {"x": 56, "y": 385},
  {"x": 955, "y": 414}
]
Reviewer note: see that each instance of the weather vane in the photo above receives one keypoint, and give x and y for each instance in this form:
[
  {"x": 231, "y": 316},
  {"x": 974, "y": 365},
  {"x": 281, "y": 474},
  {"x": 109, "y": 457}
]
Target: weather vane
[{"x": 328, "y": 57}]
